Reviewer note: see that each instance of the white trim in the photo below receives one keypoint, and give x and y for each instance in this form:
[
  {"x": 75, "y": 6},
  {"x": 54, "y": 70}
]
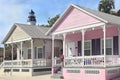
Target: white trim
[
  {"x": 18, "y": 41},
  {"x": 72, "y": 5},
  {"x": 58, "y": 20},
  {"x": 79, "y": 28}
]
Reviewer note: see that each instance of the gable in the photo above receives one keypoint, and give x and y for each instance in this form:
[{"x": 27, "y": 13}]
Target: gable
[
  {"x": 17, "y": 34},
  {"x": 75, "y": 18}
]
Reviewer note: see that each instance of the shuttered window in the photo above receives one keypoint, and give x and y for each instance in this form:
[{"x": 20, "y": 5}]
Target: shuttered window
[
  {"x": 96, "y": 47},
  {"x": 79, "y": 49},
  {"x": 115, "y": 45}
]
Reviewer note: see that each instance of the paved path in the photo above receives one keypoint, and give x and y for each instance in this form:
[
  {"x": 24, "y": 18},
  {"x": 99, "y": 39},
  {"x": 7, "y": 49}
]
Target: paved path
[{"x": 41, "y": 77}]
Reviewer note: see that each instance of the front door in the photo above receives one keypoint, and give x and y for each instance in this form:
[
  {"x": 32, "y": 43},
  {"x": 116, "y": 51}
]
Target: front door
[{"x": 71, "y": 49}]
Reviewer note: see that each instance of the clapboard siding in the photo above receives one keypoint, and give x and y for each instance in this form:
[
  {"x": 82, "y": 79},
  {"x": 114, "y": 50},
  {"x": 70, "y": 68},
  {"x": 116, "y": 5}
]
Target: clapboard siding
[{"x": 18, "y": 34}]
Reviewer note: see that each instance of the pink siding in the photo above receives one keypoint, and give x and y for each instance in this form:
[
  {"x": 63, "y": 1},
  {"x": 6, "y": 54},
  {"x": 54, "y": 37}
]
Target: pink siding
[
  {"x": 103, "y": 75},
  {"x": 75, "y": 18},
  {"x": 83, "y": 76},
  {"x": 112, "y": 75},
  {"x": 111, "y": 31}
]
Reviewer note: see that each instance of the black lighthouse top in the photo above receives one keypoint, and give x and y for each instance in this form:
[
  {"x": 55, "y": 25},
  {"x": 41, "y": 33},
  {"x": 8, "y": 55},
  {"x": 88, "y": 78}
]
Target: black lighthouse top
[{"x": 31, "y": 18}]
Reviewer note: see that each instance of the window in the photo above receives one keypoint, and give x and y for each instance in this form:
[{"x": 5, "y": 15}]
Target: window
[
  {"x": 29, "y": 53},
  {"x": 109, "y": 46},
  {"x": 87, "y": 48},
  {"x": 79, "y": 48},
  {"x": 95, "y": 43},
  {"x": 40, "y": 52}
]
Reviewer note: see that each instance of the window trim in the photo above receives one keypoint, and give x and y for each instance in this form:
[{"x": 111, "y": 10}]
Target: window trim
[
  {"x": 42, "y": 52},
  {"x": 90, "y": 46},
  {"x": 107, "y": 39},
  {"x": 27, "y": 52}
]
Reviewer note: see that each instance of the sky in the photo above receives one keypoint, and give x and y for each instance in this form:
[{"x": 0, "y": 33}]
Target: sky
[{"x": 16, "y": 11}]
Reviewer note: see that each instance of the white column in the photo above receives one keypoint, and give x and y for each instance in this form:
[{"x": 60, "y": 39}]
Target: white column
[
  {"x": 64, "y": 42},
  {"x": 32, "y": 52},
  {"x": 21, "y": 50},
  {"x": 4, "y": 53},
  {"x": 12, "y": 59},
  {"x": 119, "y": 41},
  {"x": 64, "y": 46},
  {"x": 104, "y": 31},
  {"x": 18, "y": 54},
  {"x": 83, "y": 41},
  {"x": 53, "y": 36},
  {"x": 12, "y": 51},
  {"x": 53, "y": 62}
]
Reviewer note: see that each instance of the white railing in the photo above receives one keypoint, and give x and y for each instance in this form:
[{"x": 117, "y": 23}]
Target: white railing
[
  {"x": 42, "y": 62},
  {"x": 27, "y": 63},
  {"x": 92, "y": 61},
  {"x": 73, "y": 61},
  {"x": 112, "y": 60},
  {"x": 17, "y": 63},
  {"x": 57, "y": 62}
]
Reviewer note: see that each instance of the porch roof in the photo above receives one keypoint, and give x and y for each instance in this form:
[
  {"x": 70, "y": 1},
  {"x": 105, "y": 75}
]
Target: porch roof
[
  {"x": 103, "y": 17},
  {"x": 32, "y": 30}
]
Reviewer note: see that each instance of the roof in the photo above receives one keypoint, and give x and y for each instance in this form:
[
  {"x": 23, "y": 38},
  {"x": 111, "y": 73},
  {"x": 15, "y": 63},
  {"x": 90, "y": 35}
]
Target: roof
[
  {"x": 32, "y": 30},
  {"x": 108, "y": 17},
  {"x": 104, "y": 17}
]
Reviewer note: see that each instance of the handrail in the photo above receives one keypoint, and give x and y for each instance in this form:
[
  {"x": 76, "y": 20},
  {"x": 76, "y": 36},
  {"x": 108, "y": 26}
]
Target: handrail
[{"x": 1, "y": 65}]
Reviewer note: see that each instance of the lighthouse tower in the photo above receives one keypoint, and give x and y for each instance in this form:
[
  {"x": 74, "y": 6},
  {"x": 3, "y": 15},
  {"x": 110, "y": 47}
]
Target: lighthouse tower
[{"x": 31, "y": 18}]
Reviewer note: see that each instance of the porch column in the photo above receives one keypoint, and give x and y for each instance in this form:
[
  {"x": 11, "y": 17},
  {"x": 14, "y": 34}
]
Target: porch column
[
  {"x": 12, "y": 60},
  {"x": 53, "y": 61},
  {"x": 83, "y": 40},
  {"x": 64, "y": 50},
  {"x": 53, "y": 36},
  {"x": 32, "y": 52},
  {"x": 104, "y": 31},
  {"x": 119, "y": 41},
  {"x": 64, "y": 46},
  {"x": 4, "y": 53},
  {"x": 21, "y": 49}
]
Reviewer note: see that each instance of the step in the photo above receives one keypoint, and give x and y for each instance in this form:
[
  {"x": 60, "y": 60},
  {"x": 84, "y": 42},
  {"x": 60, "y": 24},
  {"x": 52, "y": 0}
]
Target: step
[
  {"x": 59, "y": 72},
  {"x": 57, "y": 76}
]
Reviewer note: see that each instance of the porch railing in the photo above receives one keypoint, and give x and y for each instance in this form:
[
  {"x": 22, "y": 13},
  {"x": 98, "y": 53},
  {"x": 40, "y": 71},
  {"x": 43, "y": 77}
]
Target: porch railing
[
  {"x": 92, "y": 61},
  {"x": 113, "y": 60},
  {"x": 28, "y": 63},
  {"x": 42, "y": 62},
  {"x": 57, "y": 62},
  {"x": 17, "y": 63}
]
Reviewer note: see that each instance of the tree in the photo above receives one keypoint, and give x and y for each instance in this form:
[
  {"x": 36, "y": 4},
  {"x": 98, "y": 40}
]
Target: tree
[
  {"x": 51, "y": 21},
  {"x": 118, "y": 13},
  {"x": 106, "y": 6}
]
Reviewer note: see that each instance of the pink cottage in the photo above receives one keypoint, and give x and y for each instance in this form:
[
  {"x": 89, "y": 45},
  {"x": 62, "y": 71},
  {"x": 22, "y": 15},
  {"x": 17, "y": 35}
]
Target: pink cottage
[{"x": 91, "y": 41}]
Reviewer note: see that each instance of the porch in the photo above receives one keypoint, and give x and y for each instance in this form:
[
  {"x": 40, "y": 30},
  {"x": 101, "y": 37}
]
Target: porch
[
  {"x": 95, "y": 46},
  {"x": 30, "y": 53}
]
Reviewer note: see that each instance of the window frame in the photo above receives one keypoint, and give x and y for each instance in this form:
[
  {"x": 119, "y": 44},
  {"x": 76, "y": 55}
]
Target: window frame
[
  {"x": 28, "y": 53},
  {"x": 109, "y": 38},
  {"x": 37, "y": 52},
  {"x": 87, "y": 49}
]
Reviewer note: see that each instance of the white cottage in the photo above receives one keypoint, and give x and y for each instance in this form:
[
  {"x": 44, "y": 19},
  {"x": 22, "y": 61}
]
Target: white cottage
[{"x": 34, "y": 51}]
